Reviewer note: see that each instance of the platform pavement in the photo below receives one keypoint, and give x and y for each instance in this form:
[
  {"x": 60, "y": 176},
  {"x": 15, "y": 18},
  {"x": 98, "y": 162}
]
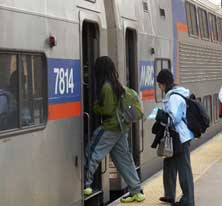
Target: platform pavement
[{"x": 206, "y": 163}]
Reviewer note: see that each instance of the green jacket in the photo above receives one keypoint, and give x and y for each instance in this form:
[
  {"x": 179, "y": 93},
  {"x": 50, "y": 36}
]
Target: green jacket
[{"x": 106, "y": 107}]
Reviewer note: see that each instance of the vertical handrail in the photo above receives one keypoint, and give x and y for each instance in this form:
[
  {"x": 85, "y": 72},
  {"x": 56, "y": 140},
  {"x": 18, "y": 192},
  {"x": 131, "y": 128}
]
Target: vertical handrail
[
  {"x": 103, "y": 172},
  {"x": 88, "y": 132},
  {"x": 88, "y": 138},
  {"x": 142, "y": 138}
]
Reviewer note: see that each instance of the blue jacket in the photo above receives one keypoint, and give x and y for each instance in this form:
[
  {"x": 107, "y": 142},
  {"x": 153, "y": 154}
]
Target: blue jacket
[{"x": 175, "y": 106}]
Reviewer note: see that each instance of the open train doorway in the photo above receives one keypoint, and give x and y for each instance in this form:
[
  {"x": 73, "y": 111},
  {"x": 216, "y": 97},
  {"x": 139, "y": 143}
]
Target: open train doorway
[
  {"x": 132, "y": 82},
  {"x": 90, "y": 51},
  {"x": 117, "y": 184}
]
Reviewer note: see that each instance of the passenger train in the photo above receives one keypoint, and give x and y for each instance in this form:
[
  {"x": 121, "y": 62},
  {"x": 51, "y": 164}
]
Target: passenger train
[{"x": 47, "y": 52}]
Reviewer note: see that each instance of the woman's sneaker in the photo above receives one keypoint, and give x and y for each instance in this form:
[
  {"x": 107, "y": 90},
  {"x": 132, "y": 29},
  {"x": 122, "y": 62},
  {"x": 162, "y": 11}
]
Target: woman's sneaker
[
  {"x": 139, "y": 197},
  {"x": 88, "y": 191}
]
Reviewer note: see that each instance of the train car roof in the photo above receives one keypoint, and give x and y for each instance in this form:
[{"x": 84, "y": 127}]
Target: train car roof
[{"x": 209, "y": 5}]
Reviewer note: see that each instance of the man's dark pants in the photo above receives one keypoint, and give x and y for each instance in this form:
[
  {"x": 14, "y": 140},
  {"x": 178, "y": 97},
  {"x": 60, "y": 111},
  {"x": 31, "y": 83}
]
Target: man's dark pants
[{"x": 179, "y": 164}]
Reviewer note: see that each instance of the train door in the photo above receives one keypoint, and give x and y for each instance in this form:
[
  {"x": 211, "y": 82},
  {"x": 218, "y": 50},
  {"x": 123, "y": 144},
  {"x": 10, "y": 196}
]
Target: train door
[
  {"x": 132, "y": 82},
  {"x": 90, "y": 51}
]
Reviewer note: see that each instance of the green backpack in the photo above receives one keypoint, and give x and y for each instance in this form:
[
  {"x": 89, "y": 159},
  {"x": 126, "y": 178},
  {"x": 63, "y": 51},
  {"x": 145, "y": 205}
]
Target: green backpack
[{"x": 130, "y": 108}]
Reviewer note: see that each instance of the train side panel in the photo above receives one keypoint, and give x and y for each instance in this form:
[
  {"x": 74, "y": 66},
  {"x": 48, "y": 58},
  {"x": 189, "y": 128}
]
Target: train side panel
[{"x": 44, "y": 166}]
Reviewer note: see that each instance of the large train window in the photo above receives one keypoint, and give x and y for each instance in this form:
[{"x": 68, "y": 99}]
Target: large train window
[
  {"x": 203, "y": 22},
  {"x": 160, "y": 64},
  {"x": 23, "y": 90},
  {"x": 192, "y": 19},
  {"x": 216, "y": 107},
  {"x": 207, "y": 103},
  {"x": 213, "y": 25}
]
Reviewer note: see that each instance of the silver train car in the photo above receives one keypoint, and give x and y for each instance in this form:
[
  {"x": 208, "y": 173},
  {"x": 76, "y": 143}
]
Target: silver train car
[{"x": 47, "y": 52}]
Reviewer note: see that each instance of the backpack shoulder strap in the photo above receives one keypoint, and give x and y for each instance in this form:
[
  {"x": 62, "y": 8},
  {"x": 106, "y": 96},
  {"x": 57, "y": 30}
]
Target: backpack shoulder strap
[{"x": 185, "y": 98}]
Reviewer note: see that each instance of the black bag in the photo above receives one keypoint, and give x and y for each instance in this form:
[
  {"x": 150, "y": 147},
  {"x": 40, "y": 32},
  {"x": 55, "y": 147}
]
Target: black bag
[{"x": 197, "y": 119}]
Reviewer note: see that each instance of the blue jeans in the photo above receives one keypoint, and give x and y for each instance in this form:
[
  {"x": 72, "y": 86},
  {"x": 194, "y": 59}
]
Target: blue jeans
[{"x": 115, "y": 143}]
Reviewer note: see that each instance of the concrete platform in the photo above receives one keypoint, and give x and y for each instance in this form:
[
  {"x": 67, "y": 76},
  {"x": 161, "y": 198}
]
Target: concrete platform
[
  {"x": 208, "y": 189},
  {"x": 207, "y": 171}
]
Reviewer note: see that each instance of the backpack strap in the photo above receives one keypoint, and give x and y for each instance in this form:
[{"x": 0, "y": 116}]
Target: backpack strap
[{"x": 185, "y": 98}]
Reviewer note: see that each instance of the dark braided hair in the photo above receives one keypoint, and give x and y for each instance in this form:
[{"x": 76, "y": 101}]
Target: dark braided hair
[{"x": 105, "y": 70}]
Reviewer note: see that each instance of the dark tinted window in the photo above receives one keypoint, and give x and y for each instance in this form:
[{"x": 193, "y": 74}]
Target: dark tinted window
[
  {"x": 207, "y": 103},
  {"x": 159, "y": 65},
  {"x": 216, "y": 106},
  {"x": 23, "y": 90},
  {"x": 191, "y": 18},
  {"x": 219, "y": 28},
  {"x": 213, "y": 25},
  {"x": 8, "y": 91},
  {"x": 204, "y": 30}
]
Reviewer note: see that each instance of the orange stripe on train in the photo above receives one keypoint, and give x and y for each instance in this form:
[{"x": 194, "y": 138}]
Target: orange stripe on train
[
  {"x": 182, "y": 27},
  {"x": 148, "y": 95},
  {"x": 64, "y": 110}
]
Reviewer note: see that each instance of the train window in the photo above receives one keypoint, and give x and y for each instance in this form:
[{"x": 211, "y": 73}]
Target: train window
[
  {"x": 162, "y": 12},
  {"x": 160, "y": 64},
  {"x": 203, "y": 22},
  {"x": 145, "y": 6},
  {"x": 219, "y": 24},
  {"x": 216, "y": 107},
  {"x": 8, "y": 91},
  {"x": 165, "y": 64},
  {"x": 23, "y": 90},
  {"x": 207, "y": 103},
  {"x": 191, "y": 19},
  {"x": 213, "y": 25}
]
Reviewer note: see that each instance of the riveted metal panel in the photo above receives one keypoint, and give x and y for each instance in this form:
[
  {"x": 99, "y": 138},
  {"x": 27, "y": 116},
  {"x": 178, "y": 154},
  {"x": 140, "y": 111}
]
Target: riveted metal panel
[{"x": 199, "y": 63}]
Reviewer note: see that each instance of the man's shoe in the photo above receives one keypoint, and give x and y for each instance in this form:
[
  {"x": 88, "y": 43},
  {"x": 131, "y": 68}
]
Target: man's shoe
[
  {"x": 166, "y": 199},
  {"x": 139, "y": 197},
  {"x": 88, "y": 191}
]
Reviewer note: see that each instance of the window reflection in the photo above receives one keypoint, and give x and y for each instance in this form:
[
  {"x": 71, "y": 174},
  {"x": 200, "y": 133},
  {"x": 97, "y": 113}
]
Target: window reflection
[
  {"x": 8, "y": 92},
  {"x": 21, "y": 90},
  {"x": 159, "y": 65}
]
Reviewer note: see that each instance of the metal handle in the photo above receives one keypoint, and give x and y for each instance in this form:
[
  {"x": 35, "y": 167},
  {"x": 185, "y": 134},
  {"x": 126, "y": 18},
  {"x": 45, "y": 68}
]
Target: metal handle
[
  {"x": 88, "y": 128},
  {"x": 75, "y": 160},
  {"x": 142, "y": 138},
  {"x": 88, "y": 138},
  {"x": 103, "y": 172}
]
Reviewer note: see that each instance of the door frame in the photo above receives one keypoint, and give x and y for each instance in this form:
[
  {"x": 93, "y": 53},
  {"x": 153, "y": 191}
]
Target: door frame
[{"x": 93, "y": 17}]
